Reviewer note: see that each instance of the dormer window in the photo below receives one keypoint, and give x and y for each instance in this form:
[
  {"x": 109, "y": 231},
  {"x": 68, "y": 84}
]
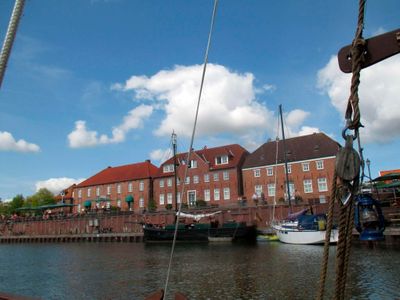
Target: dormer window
[
  {"x": 221, "y": 160},
  {"x": 193, "y": 164},
  {"x": 168, "y": 168}
]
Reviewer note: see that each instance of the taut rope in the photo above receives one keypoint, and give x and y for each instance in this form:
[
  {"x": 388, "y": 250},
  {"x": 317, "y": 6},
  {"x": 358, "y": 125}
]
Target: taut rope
[
  {"x": 191, "y": 143},
  {"x": 346, "y": 178}
]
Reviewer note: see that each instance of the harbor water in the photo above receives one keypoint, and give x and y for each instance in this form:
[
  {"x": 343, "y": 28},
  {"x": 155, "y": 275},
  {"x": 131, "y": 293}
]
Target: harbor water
[{"x": 200, "y": 271}]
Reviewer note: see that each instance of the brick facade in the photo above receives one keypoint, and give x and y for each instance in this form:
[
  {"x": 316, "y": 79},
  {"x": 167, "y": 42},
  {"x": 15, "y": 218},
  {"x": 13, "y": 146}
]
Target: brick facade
[{"x": 311, "y": 163}]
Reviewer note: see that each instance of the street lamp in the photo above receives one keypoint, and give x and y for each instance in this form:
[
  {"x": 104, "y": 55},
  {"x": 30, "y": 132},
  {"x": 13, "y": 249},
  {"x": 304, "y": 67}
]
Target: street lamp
[{"x": 369, "y": 170}]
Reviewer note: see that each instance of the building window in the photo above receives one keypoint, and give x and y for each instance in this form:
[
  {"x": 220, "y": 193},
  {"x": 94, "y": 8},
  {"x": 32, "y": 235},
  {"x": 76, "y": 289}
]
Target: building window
[
  {"x": 162, "y": 200},
  {"x": 207, "y": 195},
  {"x": 195, "y": 179},
  {"x": 187, "y": 181},
  {"x": 169, "y": 182},
  {"x": 322, "y": 185},
  {"x": 221, "y": 160},
  {"x": 307, "y": 186},
  {"x": 119, "y": 188},
  {"x": 322, "y": 199},
  {"x": 130, "y": 187},
  {"x": 178, "y": 197},
  {"x": 79, "y": 193},
  {"x": 258, "y": 190},
  {"x": 161, "y": 183},
  {"x": 270, "y": 171},
  {"x": 271, "y": 189},
  {"x": 193, "y": 164},
  {"x": 168, "y": 168},
  {"x": 216, "y": 195},
  {"x": 306, "y": 166},
  {"x": 89, "y": 192},
  {"x": 289, "y": 169},
  {"x": 169, "y": 198},
  {"x": 141, "y": 185},
  {"x": 225, "y": 175},
  {"x": 216, "y": 177},
  {"x": 320, "y": 164},
  {"x": 178, "y": 181},
  {"x": 119, "y": 203},
  {"x": 98, "y": 191},
  {"x": 257, "y": 173},
  {"x": 227, "y": 193},
  {"x": 206, "y": 177},
  {"x": 108, "y": 189},
  {"x": 291, "y": 190},
  {"x": 141, "y": 202}
]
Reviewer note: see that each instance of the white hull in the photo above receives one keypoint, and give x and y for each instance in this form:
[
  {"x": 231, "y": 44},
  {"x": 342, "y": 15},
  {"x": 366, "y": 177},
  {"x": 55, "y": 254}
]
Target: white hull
[{"x": 304, "y": 237}]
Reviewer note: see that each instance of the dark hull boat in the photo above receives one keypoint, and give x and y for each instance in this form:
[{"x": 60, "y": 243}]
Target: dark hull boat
[{"x": 201, "y": 232}]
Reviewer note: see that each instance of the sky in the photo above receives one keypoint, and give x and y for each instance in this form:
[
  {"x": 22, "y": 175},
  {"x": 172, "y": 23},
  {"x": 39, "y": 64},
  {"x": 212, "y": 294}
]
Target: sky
[{"x": 98, "y": 83}]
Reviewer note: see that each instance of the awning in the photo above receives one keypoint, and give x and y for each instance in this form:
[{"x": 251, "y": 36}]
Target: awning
[
  {"x": 390, "y": 176},
  {"x": 394, "y": 184},
  {"x": 87, "y": 203},
  {"x": 129, "y": 198}
]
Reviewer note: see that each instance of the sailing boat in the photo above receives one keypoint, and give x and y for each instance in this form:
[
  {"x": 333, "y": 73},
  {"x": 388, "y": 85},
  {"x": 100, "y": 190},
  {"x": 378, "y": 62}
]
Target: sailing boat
[
  {"x": 209, "y": 230},
  {"x": 300, "y": 227}
]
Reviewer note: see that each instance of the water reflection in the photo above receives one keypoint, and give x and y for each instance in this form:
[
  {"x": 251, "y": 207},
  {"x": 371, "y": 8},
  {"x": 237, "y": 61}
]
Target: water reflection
[{"x": 201, "y": 271}]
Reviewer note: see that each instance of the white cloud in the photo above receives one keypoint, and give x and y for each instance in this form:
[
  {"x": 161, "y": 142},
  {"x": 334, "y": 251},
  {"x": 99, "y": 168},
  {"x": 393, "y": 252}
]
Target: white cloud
[
  {"x": 8, "y": 143},
  {"x": 82, "y": 137},
  {"x": 228, "y": 101},
  {"x": 56, "y": 185},
  {"x": 160, "y": 155},
  {"x": 379, "y": 92}
]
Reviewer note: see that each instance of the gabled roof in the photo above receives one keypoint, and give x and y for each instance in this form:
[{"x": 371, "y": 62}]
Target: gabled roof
[
  {"x": 235, "y": 154},
  {"x": 313, "y": 146},
  {"x": 135, "y": 171}
]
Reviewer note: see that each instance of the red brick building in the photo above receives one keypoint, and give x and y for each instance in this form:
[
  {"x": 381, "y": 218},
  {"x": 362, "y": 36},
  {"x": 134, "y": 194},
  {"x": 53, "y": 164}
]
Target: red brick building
[
  {"x": 311, "y": 163},
  {"x": 127, "y": 187},
  {"x": 213, "y": 176}
]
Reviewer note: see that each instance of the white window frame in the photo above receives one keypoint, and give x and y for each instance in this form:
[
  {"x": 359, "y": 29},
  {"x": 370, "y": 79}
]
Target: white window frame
[
  {"x": 98, "y": 191},
  {"x": 305, "y": 166},
  {"x": 207, "y": 195},
  {"x": 118, "y": 188},
  {"x": 319, "y": 164},
  {"x": 89, "y": 192},
  {"x": 227, "y": 193},
  {"x": 193, "y": 164},
  {"x": 130, "y": 187},
  {"x": 271, "y": 189},
  {"x": 187, "y": 181},
  {"x": 225, "y": 175},
  {"x": 169, "y": 198},
  {"x": 206, "y": 177},
  {"x": 307, "y": 184},
  {"x": 258, "y": 189},
  {"x": 216, "y": 177},
  {"x": 257, "y": 173},
  {"x": 161, "y": 199},
  {"x": 141, "y": 202},
  {"x": 195, "y": 179},
  {"x": 161, "y": 183},
  {"x": 141, "y": 185},
  {"x": 168, "y": 168},
  {"x": 222, "y": 160},
  {"x": 108, "y": 189},
  {"x": 169, "y": 182},
  {"x": 79, "y": 193},
  {"x": 270, "y": 171},
  {"x": 217, "y": 195},
  {"x": 322, "y": 184}
]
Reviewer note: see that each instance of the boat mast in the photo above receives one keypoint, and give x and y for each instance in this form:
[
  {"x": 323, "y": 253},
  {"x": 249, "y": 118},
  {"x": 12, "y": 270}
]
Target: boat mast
[
  {"x": 285, "y": 158},
  {"x": 175, "y": 173}
]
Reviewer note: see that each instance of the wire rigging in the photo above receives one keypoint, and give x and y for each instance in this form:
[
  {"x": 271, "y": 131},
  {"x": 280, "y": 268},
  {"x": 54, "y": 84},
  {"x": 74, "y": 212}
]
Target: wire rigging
[{"x": 191, "y": 142}]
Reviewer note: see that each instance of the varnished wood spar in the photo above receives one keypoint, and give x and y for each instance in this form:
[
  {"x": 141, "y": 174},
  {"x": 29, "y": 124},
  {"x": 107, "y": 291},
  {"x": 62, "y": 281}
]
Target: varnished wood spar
[
  {"x": 160, "y": 294},
  {"x": 377, "y": 49}
]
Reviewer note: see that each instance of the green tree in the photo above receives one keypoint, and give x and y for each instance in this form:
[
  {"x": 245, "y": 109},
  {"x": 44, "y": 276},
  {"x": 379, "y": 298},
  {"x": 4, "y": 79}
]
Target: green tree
[
  {"x": 152, "y": 205},
  {"x": 41, "y": 197},
  {"x": 17, "y": 202}
]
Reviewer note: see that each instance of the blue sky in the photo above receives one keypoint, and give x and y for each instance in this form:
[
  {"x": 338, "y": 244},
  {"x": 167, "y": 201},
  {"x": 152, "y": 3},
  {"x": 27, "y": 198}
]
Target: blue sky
[{"x": 97, "y": 83}]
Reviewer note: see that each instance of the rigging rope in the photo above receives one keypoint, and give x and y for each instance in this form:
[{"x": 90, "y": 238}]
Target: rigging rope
[
  {"x": 341, "y": 185},
  {"x": 191, "y": 143},
  {"x": 10, "y": 36}
]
